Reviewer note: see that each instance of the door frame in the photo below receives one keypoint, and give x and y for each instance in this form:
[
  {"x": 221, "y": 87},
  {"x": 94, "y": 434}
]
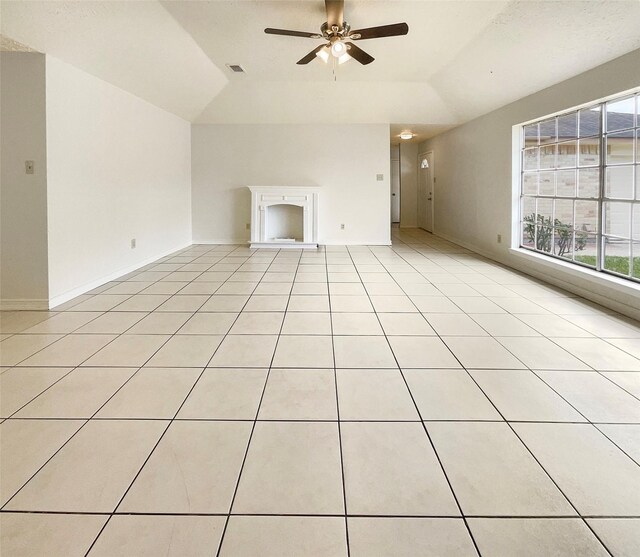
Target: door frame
[
  {"x": 433, "y": 185},
  {"x": 399, "y": 162}
]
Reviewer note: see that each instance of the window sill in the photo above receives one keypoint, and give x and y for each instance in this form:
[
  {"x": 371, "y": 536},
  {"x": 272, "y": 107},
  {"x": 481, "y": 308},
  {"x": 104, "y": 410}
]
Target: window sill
[{"x": 595, "y": 277}]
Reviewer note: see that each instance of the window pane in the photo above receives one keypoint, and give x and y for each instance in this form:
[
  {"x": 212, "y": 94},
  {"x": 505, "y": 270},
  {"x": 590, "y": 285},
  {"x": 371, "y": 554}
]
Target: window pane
[
  {"x": 544, "y": 237},
  {"x": 638, "y": 141},
  {"x": 589, "y": 182},
  {"x": 586, "y": 248},
  {"x": 619, "y": 182},
  {"x": 548, "y": 132},
  {"x": 548, "y": 156},
  {"x": 531, "y": 135},
  {"x": 530, "y": 183},
  {"x": 568, "y": 126},
  {"x": 563, "y": 213},
  {"x": 620, "y": 114},
  {"x": 545, "y": 209},
  {"x": 616, "y": 255},
  {"x": 563, "y": 242},
  {"x": 547, "y": 183},
  {"x": 530, "y": 159},
  {"x": 528, "y": 205},
  {"x": 635, "y": 272},
  {"x": 635, "y": 222},
  {"x": 617, "y": 219},
  {"x": 544, "y": 229},
  {"x": 567, "y": 154},
  {"x": 589, "y": 152},
  {"x": 620, "y": 147},
  {"x": 586, "y": 216},
  {"x": 589, "y": 121},
  {"x": 528, "y": 234},
  {"x": 529, "y": 218},
  {"x": 566, "y": 183}
]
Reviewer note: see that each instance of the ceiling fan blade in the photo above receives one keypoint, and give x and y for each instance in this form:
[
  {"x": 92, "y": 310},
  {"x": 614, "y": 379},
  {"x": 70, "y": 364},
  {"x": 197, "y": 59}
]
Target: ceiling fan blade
[
  {"x": 310, "y": 56},
  {"x": 289, "y": 33},
  {"x": 358, "y": 54},
  {"x": 392, "y": 30},
  {"x": 335, "y": 12}
]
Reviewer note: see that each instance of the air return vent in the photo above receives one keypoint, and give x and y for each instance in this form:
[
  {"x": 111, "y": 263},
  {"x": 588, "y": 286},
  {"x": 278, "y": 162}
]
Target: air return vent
[{"x": 236, "y": 68}]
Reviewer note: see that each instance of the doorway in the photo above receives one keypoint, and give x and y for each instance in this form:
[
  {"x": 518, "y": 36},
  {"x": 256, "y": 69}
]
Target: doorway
[
  {"x": 395, "y": 184},
  {"x": 426, "y": 191}
]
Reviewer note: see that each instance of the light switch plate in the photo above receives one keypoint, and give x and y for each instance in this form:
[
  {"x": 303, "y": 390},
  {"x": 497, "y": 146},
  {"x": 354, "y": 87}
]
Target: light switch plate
[
  {"x": 380, "y": 177},
  {"x": 28, "y": 167}
]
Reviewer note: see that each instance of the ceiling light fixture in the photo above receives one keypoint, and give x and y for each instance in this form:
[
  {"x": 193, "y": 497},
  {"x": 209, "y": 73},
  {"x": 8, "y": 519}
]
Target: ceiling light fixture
[
  {"x": 338, "y": 48},
  {"x": 406, "y": 135},
  {"x": 323, "y": 54},
  {"x": 339, "y": 51}
]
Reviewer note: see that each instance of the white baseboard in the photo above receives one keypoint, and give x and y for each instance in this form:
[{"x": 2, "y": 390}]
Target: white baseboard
[
  {"x": 354, "y": 243},
  {"x": 320, "y": 243},
  {"x": 23, "y": 304},
  {"x": 226, "y": 242},
  {"x": 62, "y": 298}
]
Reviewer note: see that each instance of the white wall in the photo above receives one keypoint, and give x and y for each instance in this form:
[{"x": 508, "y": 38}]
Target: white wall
[
  {"x": 408, "y": 185},
  {"x": 343, "y": 159},
  {"x": 118, "y": 168},
  {"x": 473, "y": 197},
  {"x": 23, "y": 197}
]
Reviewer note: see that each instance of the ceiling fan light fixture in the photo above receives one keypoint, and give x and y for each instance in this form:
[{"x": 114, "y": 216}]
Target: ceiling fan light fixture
[
  {"x": 323, "y": 54},
  {"x": 338, "y": 49},
  {"x": 406, "y": 135}
]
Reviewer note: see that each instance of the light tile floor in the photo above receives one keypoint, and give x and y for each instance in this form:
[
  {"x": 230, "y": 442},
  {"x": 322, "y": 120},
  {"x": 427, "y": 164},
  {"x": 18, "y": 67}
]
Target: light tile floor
[{"x": 407, "y": 400}]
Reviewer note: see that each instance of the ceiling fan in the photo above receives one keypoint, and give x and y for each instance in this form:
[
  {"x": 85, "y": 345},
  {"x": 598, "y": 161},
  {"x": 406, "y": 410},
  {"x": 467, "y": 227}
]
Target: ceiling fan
[{"x": 339, "y": 35}]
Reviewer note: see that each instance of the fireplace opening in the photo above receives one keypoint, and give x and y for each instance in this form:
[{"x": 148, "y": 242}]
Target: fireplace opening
[{"x": 285, "y": 223}]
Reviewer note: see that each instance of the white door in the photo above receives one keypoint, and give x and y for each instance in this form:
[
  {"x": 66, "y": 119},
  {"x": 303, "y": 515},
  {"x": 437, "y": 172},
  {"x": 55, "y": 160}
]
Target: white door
[
  {"x": 425, "y": 191},
  {"x": 395, "y": 191}
]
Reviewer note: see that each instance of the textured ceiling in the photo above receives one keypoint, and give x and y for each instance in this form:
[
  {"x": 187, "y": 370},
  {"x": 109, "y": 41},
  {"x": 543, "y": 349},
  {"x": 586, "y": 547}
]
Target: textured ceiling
[{"x": 459, "y": 60}]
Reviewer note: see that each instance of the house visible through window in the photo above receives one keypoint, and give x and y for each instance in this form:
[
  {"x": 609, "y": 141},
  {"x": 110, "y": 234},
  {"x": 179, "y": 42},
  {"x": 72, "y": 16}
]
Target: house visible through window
[{"x": 580, "y": 186}]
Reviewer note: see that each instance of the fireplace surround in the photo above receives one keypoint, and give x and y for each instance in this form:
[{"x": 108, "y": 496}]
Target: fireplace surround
[{"x": 284, "y": 216}]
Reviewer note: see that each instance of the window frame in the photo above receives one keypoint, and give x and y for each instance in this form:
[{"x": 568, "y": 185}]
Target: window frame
[{"x": 602, "y": 199}]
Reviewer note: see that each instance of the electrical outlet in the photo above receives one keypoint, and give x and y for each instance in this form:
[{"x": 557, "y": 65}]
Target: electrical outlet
[
  {"x": 380, "y": 177},
  {"x": 248, "y": 226},
  {"x": 342, "y": 227},
  {"x": 133, "y": 243},
  {"x": 28, "y": 167},
  {"x": 499, "y": 238}
]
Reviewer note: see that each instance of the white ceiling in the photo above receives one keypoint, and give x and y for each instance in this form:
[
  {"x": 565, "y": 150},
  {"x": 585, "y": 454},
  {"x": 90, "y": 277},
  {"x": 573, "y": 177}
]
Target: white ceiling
[{"x": 460, "y": 59}]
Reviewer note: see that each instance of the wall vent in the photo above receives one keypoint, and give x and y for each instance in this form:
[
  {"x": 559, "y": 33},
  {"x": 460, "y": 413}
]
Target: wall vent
[{"x": 236, "y": 68}]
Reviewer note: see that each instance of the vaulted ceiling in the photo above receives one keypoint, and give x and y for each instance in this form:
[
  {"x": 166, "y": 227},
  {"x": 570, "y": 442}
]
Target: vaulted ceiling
[{"x": 460, "y": 59}]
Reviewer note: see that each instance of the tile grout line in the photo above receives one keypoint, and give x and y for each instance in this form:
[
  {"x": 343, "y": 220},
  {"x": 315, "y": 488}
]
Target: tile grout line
[
  {"x": 529, "y": 451},
  {"x": 424, "y": 428},
  {"x": 255, "y": 420},
  {"x": 590, "y": 370},
  {"x": 171, "y": 421},
  {"x": 335, "y": 384},
  {"x": 226, "y": 254}
]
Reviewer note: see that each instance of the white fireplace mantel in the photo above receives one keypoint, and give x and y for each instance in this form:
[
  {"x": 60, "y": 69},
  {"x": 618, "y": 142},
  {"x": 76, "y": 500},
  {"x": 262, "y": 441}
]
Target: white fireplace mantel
[{"x": 264, "y": 197}]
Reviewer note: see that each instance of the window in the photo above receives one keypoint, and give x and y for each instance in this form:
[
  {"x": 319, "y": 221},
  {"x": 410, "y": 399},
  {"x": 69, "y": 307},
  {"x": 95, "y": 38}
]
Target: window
[{"x": 580, "y": 186}]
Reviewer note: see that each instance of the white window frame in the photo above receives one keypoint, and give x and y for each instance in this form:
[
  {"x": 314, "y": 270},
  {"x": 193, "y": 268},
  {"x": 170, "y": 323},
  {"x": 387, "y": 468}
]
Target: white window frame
[{"x": 626, "y": 284}]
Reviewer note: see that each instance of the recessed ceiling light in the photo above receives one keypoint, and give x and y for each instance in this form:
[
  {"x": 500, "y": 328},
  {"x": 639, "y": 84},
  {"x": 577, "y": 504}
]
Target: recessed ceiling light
[{"x": 406, "y": 135}]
